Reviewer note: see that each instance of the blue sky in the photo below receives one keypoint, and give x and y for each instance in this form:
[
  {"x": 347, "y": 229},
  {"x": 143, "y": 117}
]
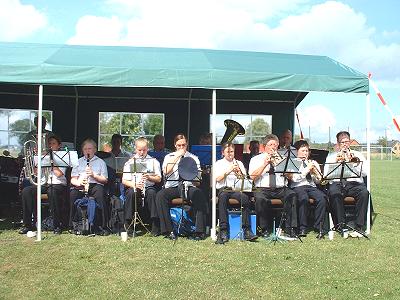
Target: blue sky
[{"x": 362, "y": 34}]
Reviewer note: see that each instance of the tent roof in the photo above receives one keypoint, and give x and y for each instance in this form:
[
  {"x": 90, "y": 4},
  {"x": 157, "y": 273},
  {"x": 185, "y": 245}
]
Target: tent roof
[{"x": 175, "y": 68}]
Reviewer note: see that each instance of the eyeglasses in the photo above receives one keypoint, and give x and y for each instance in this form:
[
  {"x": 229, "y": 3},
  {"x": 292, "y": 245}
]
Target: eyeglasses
[{"x": 344, "y": 142}]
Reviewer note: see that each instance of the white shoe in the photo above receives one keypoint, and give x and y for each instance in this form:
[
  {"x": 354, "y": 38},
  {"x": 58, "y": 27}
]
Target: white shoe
[{"x": 356, "y": 234}]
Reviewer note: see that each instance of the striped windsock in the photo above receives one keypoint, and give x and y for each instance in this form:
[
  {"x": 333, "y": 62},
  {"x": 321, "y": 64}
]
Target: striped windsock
[{"x": 378, "y": 93}]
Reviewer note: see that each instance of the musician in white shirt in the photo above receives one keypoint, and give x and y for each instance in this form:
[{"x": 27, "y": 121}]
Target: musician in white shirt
[
  {"x": 271, "y": 185},
  {"x": 141, "y": 184},
  {"x": 174, "y": 189},
  {"x": 92, "y": 170},
  {"x": 228, "y": 170},
  {"x": 55, "y": 187},
  {"x": 304, "y": 184},
  {"x": 354, "y": 187}
]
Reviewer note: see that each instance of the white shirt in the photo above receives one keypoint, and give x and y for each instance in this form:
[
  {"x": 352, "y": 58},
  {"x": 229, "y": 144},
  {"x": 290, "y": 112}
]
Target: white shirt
[
  {"x": 221, "y": 167},
  {"x": 331, "y": 158},
  {"x": 300, "y": 179},
  {"x": 98, "y": 166},
  {"x": 137, "y": 177},
  {"x": 53, "y": 179},
  {"x": 172, "y": 179},
  {"x": 263, "y": 180}
]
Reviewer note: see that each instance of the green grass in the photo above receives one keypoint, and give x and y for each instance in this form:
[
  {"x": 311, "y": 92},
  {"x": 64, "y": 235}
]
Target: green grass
[{"x": 70, "y": 266}]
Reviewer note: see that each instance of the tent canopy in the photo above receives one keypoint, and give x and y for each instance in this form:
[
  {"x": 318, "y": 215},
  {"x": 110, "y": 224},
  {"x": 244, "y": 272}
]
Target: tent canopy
[{"x": 106, "y": 66}]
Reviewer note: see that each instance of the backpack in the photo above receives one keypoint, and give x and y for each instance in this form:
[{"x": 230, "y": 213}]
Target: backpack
[
  {"x": 182, "y": 226},
  {"x": 116, "y": 222}
]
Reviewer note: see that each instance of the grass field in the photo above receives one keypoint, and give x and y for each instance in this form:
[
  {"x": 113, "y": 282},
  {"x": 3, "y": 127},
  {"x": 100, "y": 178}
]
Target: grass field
[{"x": 67, "y": 266}]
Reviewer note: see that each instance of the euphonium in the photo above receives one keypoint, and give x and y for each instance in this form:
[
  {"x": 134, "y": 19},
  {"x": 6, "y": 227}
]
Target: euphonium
[
  {"x": 233, "y": 129},
  {"x": 30, "y": 152}
]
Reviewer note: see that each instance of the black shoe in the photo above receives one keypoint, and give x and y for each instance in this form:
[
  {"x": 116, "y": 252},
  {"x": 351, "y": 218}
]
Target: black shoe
[
  {"x": 249, "y": 236},
  {"x": 265, "y": 234},
  {"x": 24, "y": 230},
  {"x": 103, "y": 232},
  {"x": 171, "y": 236},
  {"x": 320, "y": 235},
  {"x": 224, "y": 235},
  {"x": 199, "y": 236},
  {"x": 57, "y": 230},
  {"x": 303, "y": 232},
  {"x": 292, "y": 232}
]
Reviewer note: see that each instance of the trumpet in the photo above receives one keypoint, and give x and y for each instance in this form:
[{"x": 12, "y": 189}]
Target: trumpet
[
  {"x": 346, "y": 155},
  {"x": 314, "y": 170},
  {"x": 276, "y": 158},
  {"x": 237, "y": 171}
]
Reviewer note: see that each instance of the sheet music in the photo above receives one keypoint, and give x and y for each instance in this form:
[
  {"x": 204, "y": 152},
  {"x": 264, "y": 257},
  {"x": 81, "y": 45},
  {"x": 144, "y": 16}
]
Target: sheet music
[
  {"x": 350, "y": 170},
  {"x": 60, "y": 159},
  {"x": 143, "y": 165}
]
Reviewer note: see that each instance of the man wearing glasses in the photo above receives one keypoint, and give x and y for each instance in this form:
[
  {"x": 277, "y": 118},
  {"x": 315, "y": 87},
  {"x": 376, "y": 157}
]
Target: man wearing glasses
[{"x": 354, "y": 187}]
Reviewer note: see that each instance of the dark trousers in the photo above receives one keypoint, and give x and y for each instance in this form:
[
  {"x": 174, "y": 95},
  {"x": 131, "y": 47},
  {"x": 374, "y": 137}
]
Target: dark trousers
[
  {"x": 223, "y": 203},
  {"x": 337, "y": 192},
  {"x": 198, "y": 203},
  {"x": 97, "y": 192},
  {"x": 149, "y": 202},
  {"x": 304, "y": 193},
  {"x": 55, "y": 193},
  {"x": 264, "y": 206}
]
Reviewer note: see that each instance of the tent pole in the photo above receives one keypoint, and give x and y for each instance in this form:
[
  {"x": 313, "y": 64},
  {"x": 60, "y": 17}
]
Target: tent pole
[
  {"x": 368, "y": 119},
  {"x": 214, "y": 158},
  {"x": 39, "y": 167},
  {"x": 188, "y": 123},
  {"x": 76, "y": 116}
]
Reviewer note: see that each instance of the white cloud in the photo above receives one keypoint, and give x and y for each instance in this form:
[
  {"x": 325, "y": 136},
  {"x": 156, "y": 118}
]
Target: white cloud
[{"x": 18, "y": 20}]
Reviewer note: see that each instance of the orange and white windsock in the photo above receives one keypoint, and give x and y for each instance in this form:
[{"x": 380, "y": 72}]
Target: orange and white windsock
[
  {"x": 378, "y": 93},
  {"x": 298, "y": 122}
]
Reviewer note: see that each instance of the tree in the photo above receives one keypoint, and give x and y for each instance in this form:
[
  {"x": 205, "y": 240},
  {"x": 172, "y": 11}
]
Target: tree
[
  {"x": 383, "y": 141},
  {"x": 257, "y": 129}
]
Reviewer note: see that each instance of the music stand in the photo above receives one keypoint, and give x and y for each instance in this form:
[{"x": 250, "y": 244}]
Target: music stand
[
  {"x": 289, "y": 164},
  {"x": 139, "y": 166},
  {"x": 344, "y": 170}
]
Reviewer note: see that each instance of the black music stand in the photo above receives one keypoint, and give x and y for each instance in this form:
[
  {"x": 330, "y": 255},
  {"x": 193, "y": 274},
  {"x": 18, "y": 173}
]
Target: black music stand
[
  {"x": 342, "y": 171},
  {"x": 188, "y": 172},
  {"x": 139, "y": 166},
  {"x": 289, "y": 164}
]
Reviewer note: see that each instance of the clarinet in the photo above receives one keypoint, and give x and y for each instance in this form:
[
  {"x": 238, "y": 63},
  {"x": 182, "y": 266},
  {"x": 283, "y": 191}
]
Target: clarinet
[{"x": 86, "y": 184}]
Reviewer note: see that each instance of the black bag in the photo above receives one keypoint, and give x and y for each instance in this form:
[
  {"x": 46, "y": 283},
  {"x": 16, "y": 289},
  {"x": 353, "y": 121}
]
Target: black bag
[
  {"x": 81, "y": 224},
  {"x": 116, "y": 222},
  {"x": 47, "y": 224}
]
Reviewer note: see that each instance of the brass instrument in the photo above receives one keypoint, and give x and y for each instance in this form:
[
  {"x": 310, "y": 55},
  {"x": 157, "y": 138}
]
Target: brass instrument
[
  {"x": 316, "y": 172},
  {"x": 30, "y": 152},
  {"x": 233, "y": 129},
  {"x": 346, "y": 155},
  {"x": 239, "y": 174},
  {"x": 276, "y": 158}
]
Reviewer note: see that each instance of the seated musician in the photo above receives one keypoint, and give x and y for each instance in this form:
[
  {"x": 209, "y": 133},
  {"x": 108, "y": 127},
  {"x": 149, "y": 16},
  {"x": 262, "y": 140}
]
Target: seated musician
[
  {"x": 116, "y": 143},
  {"x": 227, "y": 171},
  {"x": 270, "y": 186},
  {"x": 254, "y": 148},
  {"x": 174, "y": 190},
  {"x": 141, "y": 183},
  {"x": 304, "y": 184},
  {"x": 159, "y": 151},
  {"x": 338, "y": 189},
  {"x": 91, "y": 170},
  {"x": 55, "y": 188}
]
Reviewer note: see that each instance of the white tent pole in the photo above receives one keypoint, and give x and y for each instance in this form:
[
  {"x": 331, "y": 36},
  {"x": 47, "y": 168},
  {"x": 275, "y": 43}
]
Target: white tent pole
[
  {"x": 368, "y": 119},
  {"x": 188, "y": 122},
  {"x": 39, "y": 167},
  {"x": 76, "y": 117},
  {"x": 214, "y": 159}
]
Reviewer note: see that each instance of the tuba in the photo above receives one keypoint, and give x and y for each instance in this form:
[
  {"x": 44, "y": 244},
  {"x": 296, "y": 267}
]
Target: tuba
[
  {"x": 30, "y": 153},
  {"x": 233, "y": 129}
]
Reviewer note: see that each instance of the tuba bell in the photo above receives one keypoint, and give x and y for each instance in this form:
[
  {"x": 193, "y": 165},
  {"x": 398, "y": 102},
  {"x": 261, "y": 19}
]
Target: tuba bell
[
  {"x": 30, "y": 165},
  {"x": 233, "y": 129}
]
